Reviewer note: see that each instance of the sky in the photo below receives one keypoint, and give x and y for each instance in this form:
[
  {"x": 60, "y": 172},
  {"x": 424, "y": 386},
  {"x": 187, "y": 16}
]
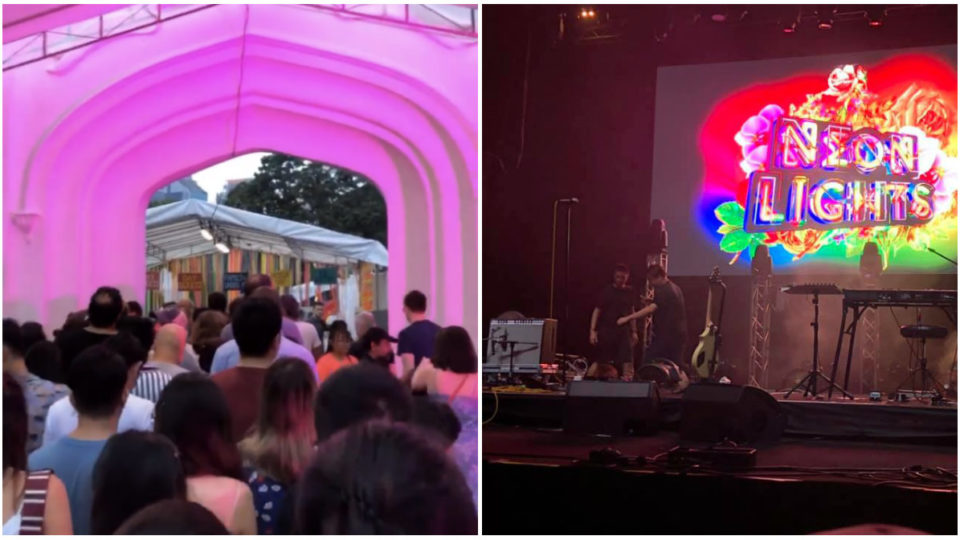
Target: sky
[{"x": 212, "y": 179}]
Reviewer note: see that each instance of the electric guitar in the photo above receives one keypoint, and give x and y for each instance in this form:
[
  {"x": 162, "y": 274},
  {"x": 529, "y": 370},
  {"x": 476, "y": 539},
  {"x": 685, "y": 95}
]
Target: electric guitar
[{"x": 706, "y": 357}]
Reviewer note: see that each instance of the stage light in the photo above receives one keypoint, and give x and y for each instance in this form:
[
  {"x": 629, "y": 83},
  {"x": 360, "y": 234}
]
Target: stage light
[
  {"x": 875, "y": 16},
  {"x": 222, "y": 246},
  {"x": 206, "y": 234},
  {"x": 790, "y": 27},
  {"x": 718, "y": 16},
  {"x": 825, "y": 18},
  {"x": 590, "y": 14}
]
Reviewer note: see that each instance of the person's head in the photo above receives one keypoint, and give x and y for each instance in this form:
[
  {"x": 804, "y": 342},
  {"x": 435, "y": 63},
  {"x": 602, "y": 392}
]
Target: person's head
[
  {"x": 255, "y": 281},
  {"x": 335, "y": 326},
  {"x": 234, "y": 305},
  {"x": 173, "y": 517},
  {"x": 437, "y": 419},
  {"x": 97, "y": 379},
  {"x": 340, "y": 341},
  {"x": 281, "y": 444},
  {"x": 43, "y": 360},
  {"x": 454, "y": 351},
  {"x": 193, "y": 413},
  {"x": 134, "y": 309},
  {"x": 170, "y": 344},
  {"x": 359, "y": 393},
  {"x": 414, "y": 305},
  {"x": 378, "y": 342},
  {"x": 106, "y": 307},
  {"x": 208, "y": 326},
  {"x": 291, "y": 308},
  {"x": 12, "y": 341},
  {"x": 135, "y": 469},
  {"x": 318, "y": 310},
  {"x": 383, "y": 478},
  {"x": 656, "y": 275},
  {"x": 620, "y": 275},
  {"x": 142, "y": 328},
  {"x": 256, "y": 327},
  {"x": 365, "y": 321},
  {"x": 132, "y": 352},
  {"x": 77, "y": 319},
  {"x": 14, "y": 426},
  {"x": 217, "y": 301},
  {"x": 32, "y": 333},
  {"x": 196, "y": 314}
]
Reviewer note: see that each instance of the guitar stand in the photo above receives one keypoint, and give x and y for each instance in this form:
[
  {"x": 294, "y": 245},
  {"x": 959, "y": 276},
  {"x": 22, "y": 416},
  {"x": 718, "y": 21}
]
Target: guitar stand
[{"x": 809, "y": 382}]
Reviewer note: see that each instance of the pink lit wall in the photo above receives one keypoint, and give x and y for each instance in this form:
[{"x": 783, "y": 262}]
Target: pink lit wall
[{"x": 89, "y": 136}]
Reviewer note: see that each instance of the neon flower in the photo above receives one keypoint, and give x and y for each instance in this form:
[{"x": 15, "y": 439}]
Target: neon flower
[{"x": 753, "y": 138}]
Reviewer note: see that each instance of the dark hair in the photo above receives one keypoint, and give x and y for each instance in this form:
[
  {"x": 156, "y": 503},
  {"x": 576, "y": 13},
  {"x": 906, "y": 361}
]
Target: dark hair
[
  {"x": 193, "y": 413},
  {"x": 336, "y": 326},
  {"x": 135, "y": 469},
  {"x": 32, "y": 333},
  {"x": 655, "y": 271},
  {"x": 415, "y": 301},
  {"x": 256, "y": 325},
  {"x": 13, "y": 337},
  {"x": 437, "y": 419},
  {"x": 128, "y": 347},
  {"x": 43, "y": 360},
  {"x": 14, "y": 425},
  {"x": 197, "y": 312},
  {"x": 97, "y": 378},
  {"x": 291, "y": 308},
  {"x": 255, "y": 281},
  {"x": 620, "y": 267},
  {"x": 454, "y": 351},
  {"x": 234, "y": 305},
  {"x": 134, "y": 309},
  {"x": 282, "y": 440},
  {"x": 77, "y": 319},
  {"x": 383, "y": 478},
  {"x": 358, "y": 393},
  {"x": 217, "y": 301},
  {"x": 141, "y": 328},
  {"x": 173, "y": 517},
  {"x": 205, "y": 336},
  {"x": 106, "y": 307}
]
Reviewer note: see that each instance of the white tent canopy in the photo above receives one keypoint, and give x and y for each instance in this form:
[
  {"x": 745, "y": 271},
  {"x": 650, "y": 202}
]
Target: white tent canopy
[{"x": 173, "y": 232}]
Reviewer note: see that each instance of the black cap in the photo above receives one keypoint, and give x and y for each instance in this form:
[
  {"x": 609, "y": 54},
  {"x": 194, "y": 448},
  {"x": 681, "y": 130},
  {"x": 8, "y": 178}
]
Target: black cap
[{"x": 377, "y": 334}]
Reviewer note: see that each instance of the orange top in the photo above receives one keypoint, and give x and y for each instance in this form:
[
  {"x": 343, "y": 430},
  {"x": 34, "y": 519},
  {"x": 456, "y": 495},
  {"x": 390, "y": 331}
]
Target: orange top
[{"x": 329, "y": 363}]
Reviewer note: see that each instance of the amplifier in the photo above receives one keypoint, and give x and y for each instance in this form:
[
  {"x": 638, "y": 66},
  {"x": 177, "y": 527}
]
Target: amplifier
[{"x": 533, "y": 342}]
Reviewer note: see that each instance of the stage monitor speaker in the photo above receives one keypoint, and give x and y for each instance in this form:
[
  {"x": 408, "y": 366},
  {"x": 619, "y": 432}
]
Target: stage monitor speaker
[
  {"x": 744, "y": 414},
  {"x": 611, "y": 408},
  {"x": 534, "y": 342}
]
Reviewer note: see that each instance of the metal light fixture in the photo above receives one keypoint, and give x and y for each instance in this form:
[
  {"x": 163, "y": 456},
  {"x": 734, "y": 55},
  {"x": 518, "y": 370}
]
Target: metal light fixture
[
  {"x": 205, "y": 231},
  {"x": 875, "y": 16},
  {"x": 222, "y": 245}
]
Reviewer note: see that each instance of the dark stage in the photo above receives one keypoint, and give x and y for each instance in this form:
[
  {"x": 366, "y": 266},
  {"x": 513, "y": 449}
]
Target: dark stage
[{"x": 838, "y": 464}]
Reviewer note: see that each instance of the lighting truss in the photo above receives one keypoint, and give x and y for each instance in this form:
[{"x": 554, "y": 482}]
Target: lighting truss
[{"x": 761, "y": 302}]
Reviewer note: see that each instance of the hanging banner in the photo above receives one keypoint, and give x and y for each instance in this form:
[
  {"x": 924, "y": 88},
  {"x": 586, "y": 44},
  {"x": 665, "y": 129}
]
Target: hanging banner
[
  {"x": 324, "y": 276},
  {"x": 282, "y": 278},
  {"x": 153, "y": 281},
  {"x": 234, "y": 281},
  {"x": 190, "y": 282},
  {"x": 367, "y": 300}
]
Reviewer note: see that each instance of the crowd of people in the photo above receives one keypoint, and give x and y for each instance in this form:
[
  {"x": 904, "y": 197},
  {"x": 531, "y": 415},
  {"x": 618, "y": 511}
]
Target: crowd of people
[{"x": 238, "y": 419}]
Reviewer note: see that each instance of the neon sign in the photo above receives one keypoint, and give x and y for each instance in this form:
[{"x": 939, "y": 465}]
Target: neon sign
[
  {"x": 820, "y": 177},
  {"x": 824, "y": 176}
]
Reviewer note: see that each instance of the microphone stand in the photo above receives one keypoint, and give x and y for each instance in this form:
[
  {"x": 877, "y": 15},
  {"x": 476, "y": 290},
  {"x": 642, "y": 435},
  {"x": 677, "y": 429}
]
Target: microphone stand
[
  {"x": 566, "y": 300},
  {"x": 942, "y": 256}
]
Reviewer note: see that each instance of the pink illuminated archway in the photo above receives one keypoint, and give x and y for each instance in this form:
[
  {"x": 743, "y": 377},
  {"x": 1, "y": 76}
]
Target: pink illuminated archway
[{"x": 90, "y": 136}]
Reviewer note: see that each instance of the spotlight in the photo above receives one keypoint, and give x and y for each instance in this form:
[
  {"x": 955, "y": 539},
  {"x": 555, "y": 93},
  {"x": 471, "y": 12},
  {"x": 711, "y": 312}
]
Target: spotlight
[
  {"x": 790, "y": 27},
  {"x": 206, "y": 234},
  {"x": 875, "y": 16},
  {"x": 825, "y": 18},
  {"x": 718, "y": 16},
  {"x": 222, "y": 246}
]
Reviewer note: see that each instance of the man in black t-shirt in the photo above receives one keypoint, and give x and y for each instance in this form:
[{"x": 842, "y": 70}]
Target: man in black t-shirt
[
  {"x": 104, "y": 312},
  {"x": 669, "y": 320},
  {"x": 416, "y": 341},
  {"x": 614, "y": 342}
]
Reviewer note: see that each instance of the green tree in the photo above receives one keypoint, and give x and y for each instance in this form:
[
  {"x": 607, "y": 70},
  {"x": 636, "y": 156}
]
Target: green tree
[{"x": 315, "y": 193}]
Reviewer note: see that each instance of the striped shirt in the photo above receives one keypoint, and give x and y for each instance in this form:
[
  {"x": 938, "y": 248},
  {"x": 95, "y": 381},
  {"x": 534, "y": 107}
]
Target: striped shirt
[{"x": 150, "y": 383}]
